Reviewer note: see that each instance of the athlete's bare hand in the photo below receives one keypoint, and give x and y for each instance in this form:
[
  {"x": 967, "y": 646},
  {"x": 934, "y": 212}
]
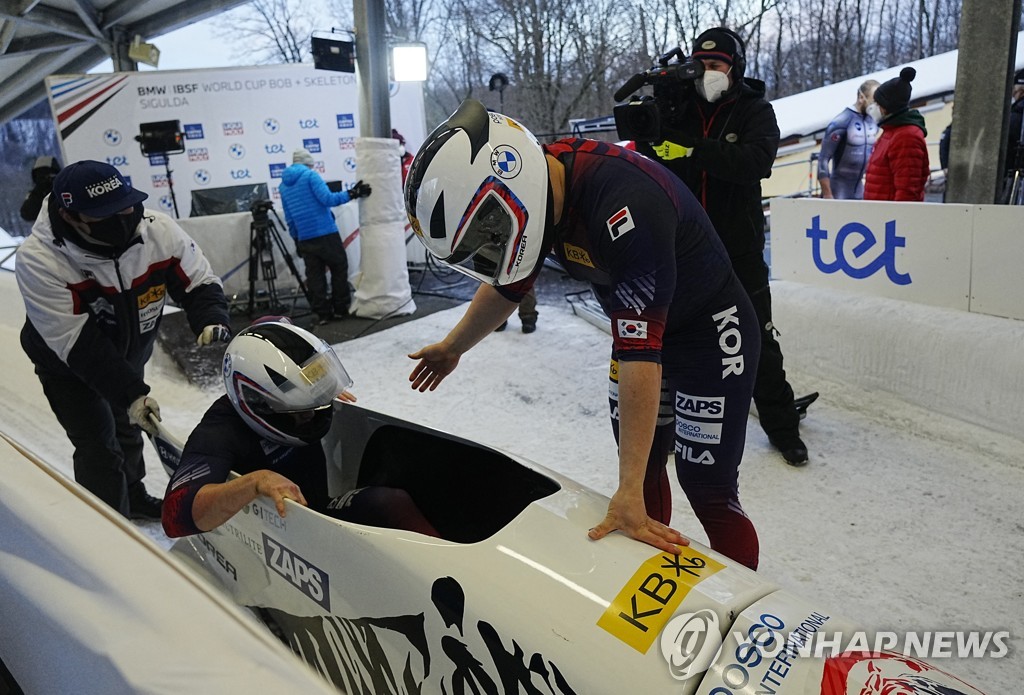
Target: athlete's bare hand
[
  {"x": 278, "y": 488},
  {"x": 628, "y": 515},
  {"x": 435, "y": 363}
]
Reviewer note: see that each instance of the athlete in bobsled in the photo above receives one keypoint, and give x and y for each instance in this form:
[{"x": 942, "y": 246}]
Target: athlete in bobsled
[
  {"x": 281, "y": 383},
  {"x": 487, "y": 199}
]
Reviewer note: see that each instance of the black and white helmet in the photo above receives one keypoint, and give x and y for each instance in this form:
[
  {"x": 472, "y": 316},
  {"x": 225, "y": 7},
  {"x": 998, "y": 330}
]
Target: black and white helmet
[
  {"x": 477, "y": 195},
  {"x": 282, "y": 380}
]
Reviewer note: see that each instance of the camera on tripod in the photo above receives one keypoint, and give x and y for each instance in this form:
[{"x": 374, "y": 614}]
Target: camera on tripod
[
  {"x": 260, "y": 210},
  {"x": 264, "y": 235},
  {"x": 643, "y": 118}
]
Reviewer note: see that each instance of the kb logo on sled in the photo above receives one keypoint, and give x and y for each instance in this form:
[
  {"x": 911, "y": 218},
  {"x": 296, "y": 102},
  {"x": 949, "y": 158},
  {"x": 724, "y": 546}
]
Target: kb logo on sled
[
  {"x": 304, "y": 575},
  {"x": 885, "y": 259}
]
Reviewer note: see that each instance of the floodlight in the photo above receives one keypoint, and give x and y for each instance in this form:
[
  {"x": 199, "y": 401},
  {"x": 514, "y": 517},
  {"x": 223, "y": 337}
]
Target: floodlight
[
  {"x": 145, "y": 53},
  {"x": 409, "y": 62},
  {"x": 333, "y": 53},
  {"x": 161, "y": 137}
]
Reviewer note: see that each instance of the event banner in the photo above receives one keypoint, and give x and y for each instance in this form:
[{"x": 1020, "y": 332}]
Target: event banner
[{"x": 240, "y": 125}]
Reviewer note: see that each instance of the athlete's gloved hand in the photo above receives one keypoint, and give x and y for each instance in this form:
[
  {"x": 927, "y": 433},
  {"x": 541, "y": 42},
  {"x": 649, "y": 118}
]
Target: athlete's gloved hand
[
  {"x": 671, "y": 150},
  {"x": 359, "y": 190},
  {"x": 214, "y": 334},
  {"x": 140, "y": 412}
]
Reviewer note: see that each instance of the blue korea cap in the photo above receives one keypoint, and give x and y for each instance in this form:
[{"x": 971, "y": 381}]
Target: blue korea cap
[{"x": 95, "y": 189}]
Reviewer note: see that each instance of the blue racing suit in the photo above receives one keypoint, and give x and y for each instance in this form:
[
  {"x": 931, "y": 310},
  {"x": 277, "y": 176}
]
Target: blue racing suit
[{"x": 847, "y": 146}]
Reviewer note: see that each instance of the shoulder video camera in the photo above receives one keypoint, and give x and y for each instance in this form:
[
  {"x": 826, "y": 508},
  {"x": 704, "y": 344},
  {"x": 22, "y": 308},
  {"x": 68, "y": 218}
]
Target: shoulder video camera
[{"x": 642, "y": 117}]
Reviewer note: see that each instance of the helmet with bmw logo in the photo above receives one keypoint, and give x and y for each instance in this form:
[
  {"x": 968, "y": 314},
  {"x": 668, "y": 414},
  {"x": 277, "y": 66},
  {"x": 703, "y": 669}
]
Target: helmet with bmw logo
[{"x": 477, "y": 195}]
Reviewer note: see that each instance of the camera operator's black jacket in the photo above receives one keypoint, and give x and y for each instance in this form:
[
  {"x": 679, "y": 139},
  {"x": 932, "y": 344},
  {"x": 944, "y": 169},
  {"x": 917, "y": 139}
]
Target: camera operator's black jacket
[{"x": 735, "y": 140}]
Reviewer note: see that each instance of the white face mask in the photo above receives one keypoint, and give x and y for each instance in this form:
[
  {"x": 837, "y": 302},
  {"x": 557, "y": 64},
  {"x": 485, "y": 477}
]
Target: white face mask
[
  {"x": 875, "y": 112},
  {"x": 713, "y": 84}
]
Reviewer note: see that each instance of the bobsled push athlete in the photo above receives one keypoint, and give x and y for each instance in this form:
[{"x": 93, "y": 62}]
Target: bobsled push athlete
[
  {"x": 487, "y": 199},
  {"x": 281, "y": 383}
]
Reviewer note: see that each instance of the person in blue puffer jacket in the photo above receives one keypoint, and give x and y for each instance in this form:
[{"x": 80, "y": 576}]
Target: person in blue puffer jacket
[{"x": 307, "y": 203}]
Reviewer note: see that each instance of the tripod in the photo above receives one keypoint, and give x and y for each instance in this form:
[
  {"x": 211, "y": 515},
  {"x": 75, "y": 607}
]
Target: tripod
[{"x": 263, "y": 234}]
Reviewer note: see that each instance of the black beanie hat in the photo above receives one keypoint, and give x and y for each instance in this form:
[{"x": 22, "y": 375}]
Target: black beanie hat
[
  {"x": 894, "y": 95},
  {"x": 721, "y": 44}
]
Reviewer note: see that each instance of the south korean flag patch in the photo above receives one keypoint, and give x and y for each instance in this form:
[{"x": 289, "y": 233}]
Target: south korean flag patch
[
  {"x": 632, "y": 329},
  {"x": 620, "y": 223}
]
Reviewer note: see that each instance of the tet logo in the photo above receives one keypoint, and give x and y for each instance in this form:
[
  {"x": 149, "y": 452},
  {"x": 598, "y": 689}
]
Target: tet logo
[
  {"x": 886, "y": 258},
  {"x": 274, "y": 149},
  {"x": 308, "y": 123},
  {"x": 118, "y": 161},
  {"x": 239, "y": 174}
]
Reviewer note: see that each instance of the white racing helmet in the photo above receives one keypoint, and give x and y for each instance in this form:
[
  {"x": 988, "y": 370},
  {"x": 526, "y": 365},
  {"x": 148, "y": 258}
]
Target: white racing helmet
[
  {"x": 477, "y": 195},
  {"x": 282, "y": 380}
]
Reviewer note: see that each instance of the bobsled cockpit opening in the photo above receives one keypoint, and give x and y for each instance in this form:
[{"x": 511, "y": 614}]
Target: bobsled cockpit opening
[{"x": 467, "y": 491}]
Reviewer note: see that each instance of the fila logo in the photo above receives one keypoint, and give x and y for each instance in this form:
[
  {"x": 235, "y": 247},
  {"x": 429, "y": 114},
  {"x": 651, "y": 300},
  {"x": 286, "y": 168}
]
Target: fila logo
[
  {"x": 620, "y": 223},
  {"x": 687, "y": 453}
]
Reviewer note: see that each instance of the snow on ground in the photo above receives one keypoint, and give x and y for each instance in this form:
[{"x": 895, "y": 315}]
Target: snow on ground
[{"x": 903, "y": 520}]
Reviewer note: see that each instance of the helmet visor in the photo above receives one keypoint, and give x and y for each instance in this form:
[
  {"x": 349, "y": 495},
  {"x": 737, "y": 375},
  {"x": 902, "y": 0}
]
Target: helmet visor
[
  {"x": 315, "y": 384},
  {"x": 494, "y": 219},
  {"x": 325, "y": 376}
]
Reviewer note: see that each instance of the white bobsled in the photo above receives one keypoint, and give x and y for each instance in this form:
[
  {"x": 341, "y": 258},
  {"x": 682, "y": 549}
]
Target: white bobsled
[{"x": 514, "y": 598}]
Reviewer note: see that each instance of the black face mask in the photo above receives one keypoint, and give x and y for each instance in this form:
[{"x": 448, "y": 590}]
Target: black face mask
[{"x": 116, "y": 230}]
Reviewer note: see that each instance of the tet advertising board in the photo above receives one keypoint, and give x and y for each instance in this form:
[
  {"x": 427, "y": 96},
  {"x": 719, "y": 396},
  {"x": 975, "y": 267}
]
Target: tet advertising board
[{"x": 241, "y": 124}]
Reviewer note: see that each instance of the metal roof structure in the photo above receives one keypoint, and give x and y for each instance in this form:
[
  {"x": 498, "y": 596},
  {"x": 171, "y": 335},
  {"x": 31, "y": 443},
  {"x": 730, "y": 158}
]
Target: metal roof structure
[{"x": 50, "y": 37}]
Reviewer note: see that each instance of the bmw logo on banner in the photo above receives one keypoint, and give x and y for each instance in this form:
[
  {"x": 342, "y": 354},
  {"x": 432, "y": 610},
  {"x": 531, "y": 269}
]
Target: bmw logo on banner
[{"x": 112, "y": 137}]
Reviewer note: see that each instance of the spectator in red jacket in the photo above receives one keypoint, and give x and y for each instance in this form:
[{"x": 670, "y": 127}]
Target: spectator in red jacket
[{"x": 898, "y": 169}]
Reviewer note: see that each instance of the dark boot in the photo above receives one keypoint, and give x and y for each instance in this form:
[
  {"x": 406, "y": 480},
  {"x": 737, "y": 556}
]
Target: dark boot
[{"x": 141, "y": 505}]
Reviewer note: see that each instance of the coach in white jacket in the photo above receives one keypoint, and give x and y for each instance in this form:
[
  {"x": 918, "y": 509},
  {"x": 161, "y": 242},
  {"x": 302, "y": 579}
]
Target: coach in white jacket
[{"x": 95, "y": 275}]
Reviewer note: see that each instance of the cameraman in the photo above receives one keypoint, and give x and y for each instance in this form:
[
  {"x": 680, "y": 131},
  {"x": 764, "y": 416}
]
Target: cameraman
[
  {"x": 44, "y": 170},
  {"x": 307, "y": 203},
  {"x": 721, "y": 144}
]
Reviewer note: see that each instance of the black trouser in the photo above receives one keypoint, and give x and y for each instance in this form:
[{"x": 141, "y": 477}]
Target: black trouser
[
  {"x": 528, "y": 308},
  {"x": 321, "y": 254},
  {"x": 108, "y": 450},
  {"x": 773, "y": 395}
]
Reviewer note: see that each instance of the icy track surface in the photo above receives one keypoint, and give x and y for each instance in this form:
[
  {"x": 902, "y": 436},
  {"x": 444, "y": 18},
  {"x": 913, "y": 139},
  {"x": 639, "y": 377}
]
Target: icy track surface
[{"x": 903, "y": 520}]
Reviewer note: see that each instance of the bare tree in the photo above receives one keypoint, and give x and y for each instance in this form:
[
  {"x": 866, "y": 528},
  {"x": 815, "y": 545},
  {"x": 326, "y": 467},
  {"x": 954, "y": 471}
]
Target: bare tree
[
  {"x": 270, "y": 31},
  {"x": 565, "y": 58}
]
